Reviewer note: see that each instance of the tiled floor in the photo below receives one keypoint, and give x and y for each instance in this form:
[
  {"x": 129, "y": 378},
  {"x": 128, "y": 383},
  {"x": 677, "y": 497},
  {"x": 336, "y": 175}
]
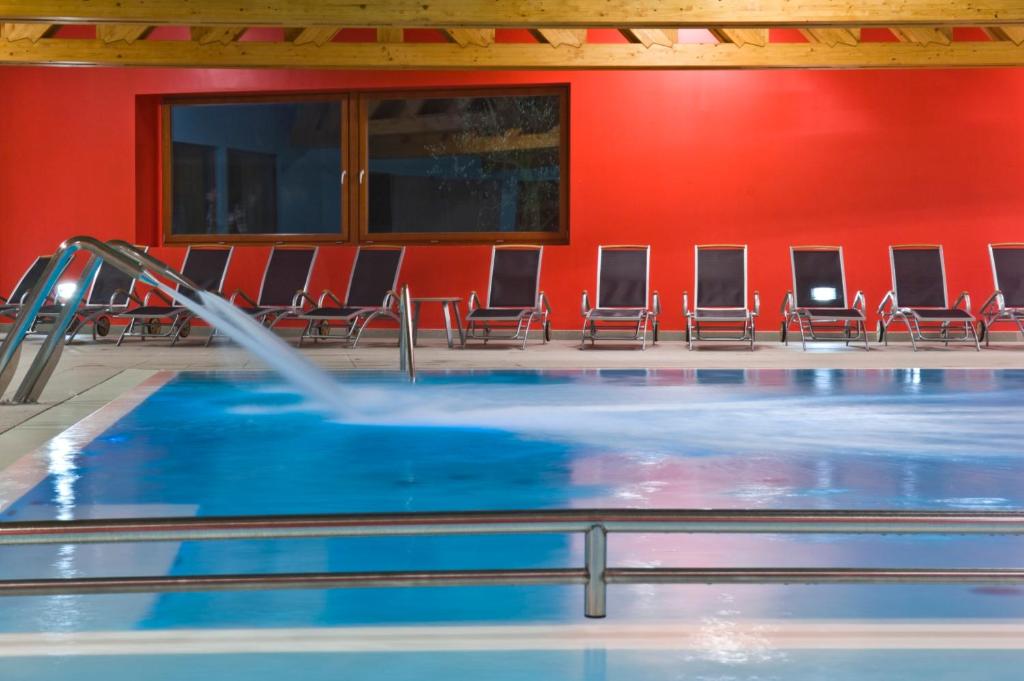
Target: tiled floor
[{"x": 91, "y": 374}]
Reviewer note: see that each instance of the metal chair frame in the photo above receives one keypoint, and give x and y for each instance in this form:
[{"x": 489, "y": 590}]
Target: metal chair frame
[
  {"x": 995, "y": 310},
  {"x": 482, "y": 329},
  {"x": 624, "y": 323},
  {"x": 703, "y": 324},
  {"x": 818, "y": 327}
]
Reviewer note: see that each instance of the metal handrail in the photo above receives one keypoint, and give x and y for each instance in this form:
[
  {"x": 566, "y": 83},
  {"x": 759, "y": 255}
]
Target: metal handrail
[
  {"x": 595, "y": 575},
  {"x": 406, "y": 343},
  {"x": 120, "y": 255}
]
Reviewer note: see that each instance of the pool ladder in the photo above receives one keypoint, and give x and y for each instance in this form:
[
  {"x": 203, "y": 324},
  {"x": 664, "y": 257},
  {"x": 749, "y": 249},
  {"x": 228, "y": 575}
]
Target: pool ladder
[{"x": 128, "y": 259}]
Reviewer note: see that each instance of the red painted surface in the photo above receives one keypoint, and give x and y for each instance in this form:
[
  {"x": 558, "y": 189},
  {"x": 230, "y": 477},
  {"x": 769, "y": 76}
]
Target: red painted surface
[{"x": 858, "y": 158}]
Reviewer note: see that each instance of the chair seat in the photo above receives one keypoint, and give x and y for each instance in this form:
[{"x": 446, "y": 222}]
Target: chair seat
[
  {"x": 617, "y": 313},
  {"x": 154, "y": 311},
  {"x": 727, "y": 315},
  {"x": 333, "y": 312},
  {"x": 832, "y": 313},
  {"x": 499, "y": 313},
  {"x": 951, "y": 315}
]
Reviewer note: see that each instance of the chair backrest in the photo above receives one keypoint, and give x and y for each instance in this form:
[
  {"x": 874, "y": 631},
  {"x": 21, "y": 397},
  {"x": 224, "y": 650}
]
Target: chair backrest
[
  {"x": 1008, "y": 272},
  {"x": 623, "y": 276},
  {"x": 819, "y": 278},
  {"x": 206, "y": 267},
  {"x": 720, "y": 276},
  {"x": 515, "y": 276},
  {"x": 29, "y": 279},
  {"x": 107, "y": 282},
  {"x": 918, "y": 276},
  {"x": 374, "y": 273},
  {"x": 288, "y": 271}
]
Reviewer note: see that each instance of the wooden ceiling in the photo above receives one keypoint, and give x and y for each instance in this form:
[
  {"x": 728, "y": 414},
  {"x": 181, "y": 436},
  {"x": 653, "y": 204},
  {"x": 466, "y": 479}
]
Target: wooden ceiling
[{"x": 476, "y": 33}]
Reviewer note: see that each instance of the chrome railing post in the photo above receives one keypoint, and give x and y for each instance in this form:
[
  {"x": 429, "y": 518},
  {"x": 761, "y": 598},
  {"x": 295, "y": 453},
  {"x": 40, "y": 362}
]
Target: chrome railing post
[
  {"x": 596, "y": 562},
  {"x": 49, "y": 352},
  {"x": 406, "y": 349}
]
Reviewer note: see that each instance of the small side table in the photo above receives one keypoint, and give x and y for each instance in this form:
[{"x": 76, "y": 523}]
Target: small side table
[{"x": 448, "y": 305}]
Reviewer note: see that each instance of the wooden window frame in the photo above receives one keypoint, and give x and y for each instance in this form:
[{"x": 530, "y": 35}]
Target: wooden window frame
[
  {"x": 348, "y": 157},
  {"x": 354, "y": 143}
]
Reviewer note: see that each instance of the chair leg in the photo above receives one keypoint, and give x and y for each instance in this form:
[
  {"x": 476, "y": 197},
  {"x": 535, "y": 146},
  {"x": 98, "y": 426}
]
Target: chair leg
[
  {"x": 127, "y": 329},
  {"x": 910, "y": 330},
  {"x": 974, "y": 334}
]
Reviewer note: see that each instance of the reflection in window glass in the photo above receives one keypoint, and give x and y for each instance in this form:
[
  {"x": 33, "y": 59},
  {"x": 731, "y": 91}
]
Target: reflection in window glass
[
  {"x": 256, "y": 168},
  {"x": 465, "y": 164}
]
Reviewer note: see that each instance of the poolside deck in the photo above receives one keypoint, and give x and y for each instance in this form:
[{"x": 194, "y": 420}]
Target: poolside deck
[{"x": 92, "y": 374}]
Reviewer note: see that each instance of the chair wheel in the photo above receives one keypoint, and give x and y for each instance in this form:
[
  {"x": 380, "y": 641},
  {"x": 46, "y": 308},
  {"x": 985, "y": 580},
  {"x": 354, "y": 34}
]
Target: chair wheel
[
  {"x": 982, "y": 331},
  {"x": 880, "y": 331},
  {"x": 102, "y": 326},
  {"x": 783, "y": 333},
  {"x": 154, "y": 327},
  {"x": 655, "y": 332},
  {"x": 547, "y": 331},
  {"x": 323, "y": 328},
  {"x": 186, "y": 329}
]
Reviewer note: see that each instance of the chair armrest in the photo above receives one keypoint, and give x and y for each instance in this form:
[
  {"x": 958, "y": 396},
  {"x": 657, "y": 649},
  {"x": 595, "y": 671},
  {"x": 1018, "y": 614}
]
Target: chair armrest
[
  {"x": 860, "y": 302},
  {"x": 656, "y": 303},
  {"x": 127, "y": 294},
  {"x": 787, "y": 304},
  {"x": 474, "y": 301},
  {"x": 542, "y": 303},
  {"x": 890, "y": 298},
  {"x": 391, "y": 298},
  {"x": 686, "y": 303},
  {"x": 158, "y": 292},
  {"x": 996, "y": 301},
  {"x": 585, "y": 304},
  {"x": 964, "y": 298},
  {"x": 300, "y": 297},
  {"x": 324, "y": 295},
  {"x": 239, "y": 293},
  {"x": 757, "y": 304}
]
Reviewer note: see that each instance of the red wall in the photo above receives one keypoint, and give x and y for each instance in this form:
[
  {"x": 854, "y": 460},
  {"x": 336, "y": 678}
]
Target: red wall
[{"x": 858, "y": 158}]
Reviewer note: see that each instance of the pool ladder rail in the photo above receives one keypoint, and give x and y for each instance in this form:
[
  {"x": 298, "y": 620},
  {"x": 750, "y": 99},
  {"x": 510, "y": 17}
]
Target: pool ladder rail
[
  {"x": 128, "y": 259},
  {"x": 594, "y": 575}
]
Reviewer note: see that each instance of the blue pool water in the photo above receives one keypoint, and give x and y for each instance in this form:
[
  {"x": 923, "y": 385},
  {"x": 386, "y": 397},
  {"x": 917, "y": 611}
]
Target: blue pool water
[{"x": 234, "y": 444}]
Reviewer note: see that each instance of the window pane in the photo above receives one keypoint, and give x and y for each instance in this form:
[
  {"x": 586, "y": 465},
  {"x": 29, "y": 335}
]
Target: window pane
[
  {"x": 465, "y": 164},
  {"x": 256, "y": 168}
]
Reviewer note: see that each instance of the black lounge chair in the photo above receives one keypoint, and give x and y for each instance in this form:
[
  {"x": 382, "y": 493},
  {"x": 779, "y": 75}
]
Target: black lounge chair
[
  {"x": 817, "y": 301},
  {"x": 10, "y": 307},
  {"x": 110, "y": 293},
  {"x": 1007, "y": 303},
  {"x": 514, "y": 298},
  {"x": 623, "y": 286},
  {"x": 721, "y": 312},
  {"x": 371, "y": 294},
  {"x": 206, "y": 267},
  {"x": 285, "y": 280},
  {"x": 919, "y": 299}
]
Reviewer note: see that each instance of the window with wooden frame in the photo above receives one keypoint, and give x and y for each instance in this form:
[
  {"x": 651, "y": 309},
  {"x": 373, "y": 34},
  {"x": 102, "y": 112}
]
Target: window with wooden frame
[{"x": 427, "y": 166}]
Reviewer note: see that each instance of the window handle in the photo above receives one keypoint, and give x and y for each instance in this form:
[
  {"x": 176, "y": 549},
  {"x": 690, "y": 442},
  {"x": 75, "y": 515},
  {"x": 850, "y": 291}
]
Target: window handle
[
  {"x": 362, "y": 174},
  {"x": 344, "y": 173}
]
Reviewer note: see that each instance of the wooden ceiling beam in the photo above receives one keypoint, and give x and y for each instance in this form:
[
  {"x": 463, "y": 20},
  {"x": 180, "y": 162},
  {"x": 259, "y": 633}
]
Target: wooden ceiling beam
[
  {"x": 311, "y": 35},
  {"x": 481, "y": 37},
  {"x": 574, "y": 37},
  {"x": 208, "y": 35},
  {"x": 531, "y": 13},
  {"x": 650, "y": 36},
  {"x": 1014, "y": 34},
  {"x": 509, "y": 55},
  {"x": 30, "y": 32},
  {"x": 832, "y": 36},
  {"x": 112, "y": 33},
  {"x": 923, "y": 35},
  {"x": 741, "y": 36}
]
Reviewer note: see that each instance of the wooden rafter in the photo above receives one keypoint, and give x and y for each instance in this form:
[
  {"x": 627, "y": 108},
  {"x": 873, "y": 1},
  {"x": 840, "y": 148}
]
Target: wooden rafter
[
  {"x": 389, "y": 34},
  {"x": 534, "y": 13},
  {"x": 832, "y": 36},
  {"x": 650, "y": 36},
  {"x": 510, "y": 55},
  {"x": 574, "y": 37},
  {"x": 112, "y": 33},
  {"x": 741, "y": 36},
  {"x": 311, "y": 35},
  {"x": 481, "y": 37},
  {"x": 923, "y": 35},
  {"x": 1014, "y": 34},
  {"x": 208, "y": 35},
  {"x": 30, "y": 32}
]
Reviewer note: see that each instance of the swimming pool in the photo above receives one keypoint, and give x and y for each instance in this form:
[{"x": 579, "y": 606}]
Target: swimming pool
[{"x": 235, "y": 444}]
